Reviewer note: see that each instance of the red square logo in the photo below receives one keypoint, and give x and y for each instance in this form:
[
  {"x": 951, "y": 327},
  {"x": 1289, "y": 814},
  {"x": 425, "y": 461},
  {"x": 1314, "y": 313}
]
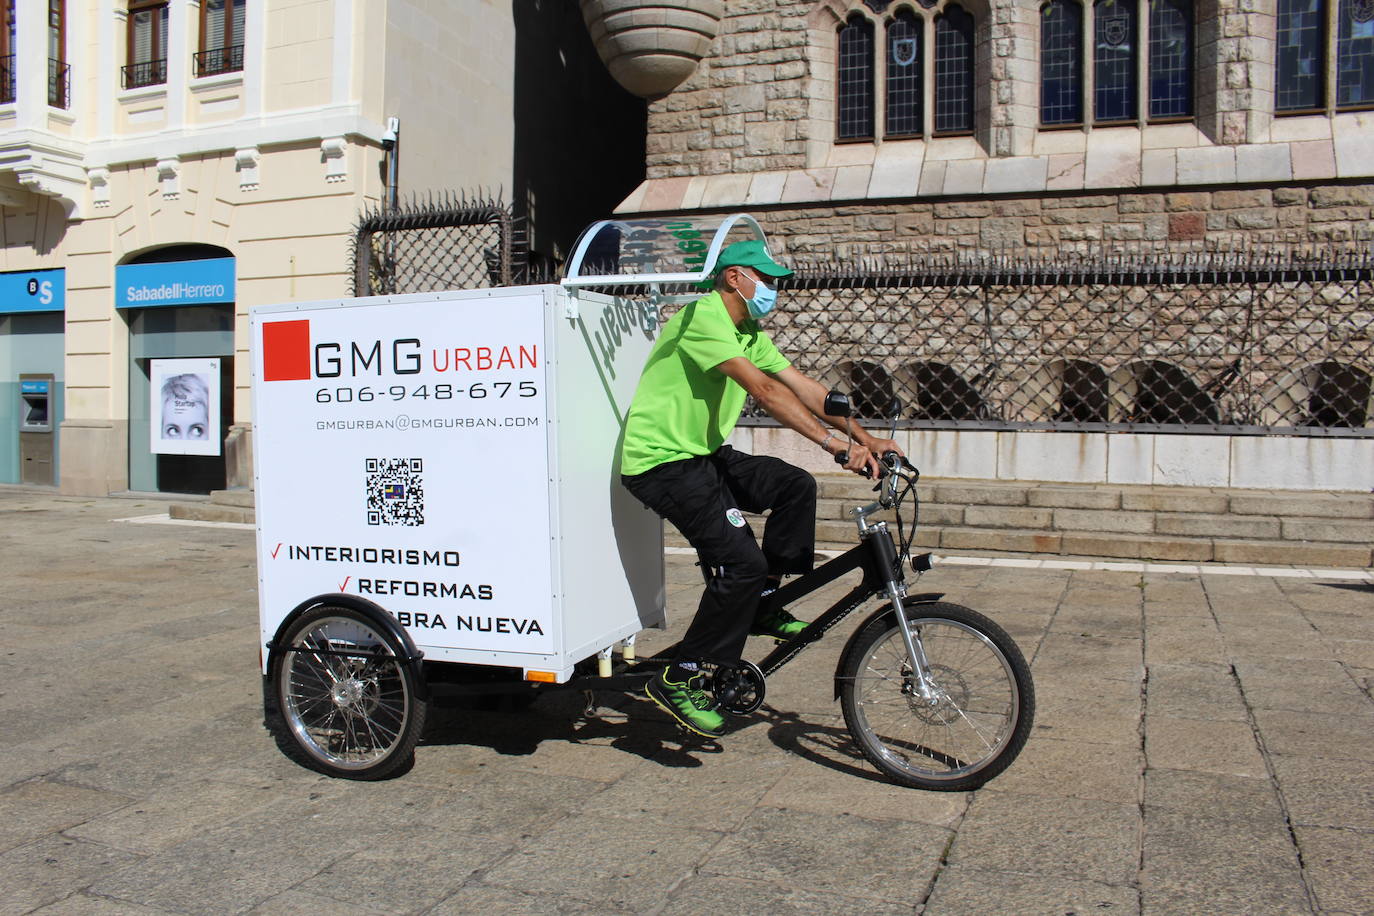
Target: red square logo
[{"x": 286, "y": 351}]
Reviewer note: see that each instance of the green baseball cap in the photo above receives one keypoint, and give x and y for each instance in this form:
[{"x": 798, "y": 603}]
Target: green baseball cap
[{"x": 750, "y": 254}]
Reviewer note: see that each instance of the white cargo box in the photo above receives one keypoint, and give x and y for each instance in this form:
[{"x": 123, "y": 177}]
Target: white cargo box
[{"x": 454, "y": 458}]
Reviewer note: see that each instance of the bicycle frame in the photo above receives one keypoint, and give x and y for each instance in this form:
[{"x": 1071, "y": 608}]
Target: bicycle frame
[{"x": 877, "y": 556}]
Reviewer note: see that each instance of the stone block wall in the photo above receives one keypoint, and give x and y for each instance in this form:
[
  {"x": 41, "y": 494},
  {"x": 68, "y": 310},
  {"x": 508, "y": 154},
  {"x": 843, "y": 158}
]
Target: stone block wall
[{"x": 1202, "y": 219}]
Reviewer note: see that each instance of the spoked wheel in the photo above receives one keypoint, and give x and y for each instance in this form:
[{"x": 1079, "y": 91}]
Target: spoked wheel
[
  {"x": 346, "y": 697},
  {"x": 973, "y": 720}
]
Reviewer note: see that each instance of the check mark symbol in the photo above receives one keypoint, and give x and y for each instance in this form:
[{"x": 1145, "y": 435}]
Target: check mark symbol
[
  {"x": 344, "y": 586},
  {"x": 275, "y": 549}
]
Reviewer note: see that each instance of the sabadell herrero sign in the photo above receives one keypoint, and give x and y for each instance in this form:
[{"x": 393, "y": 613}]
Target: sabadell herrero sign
[{"x": 204, "y": 282}]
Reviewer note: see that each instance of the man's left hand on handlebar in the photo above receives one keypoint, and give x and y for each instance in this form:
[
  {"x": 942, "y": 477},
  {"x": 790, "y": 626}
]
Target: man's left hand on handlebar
[{"x": 866, "y": 460}]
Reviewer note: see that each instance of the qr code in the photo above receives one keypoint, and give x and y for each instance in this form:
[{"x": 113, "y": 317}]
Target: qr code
[{"x": 395, "y": 491}]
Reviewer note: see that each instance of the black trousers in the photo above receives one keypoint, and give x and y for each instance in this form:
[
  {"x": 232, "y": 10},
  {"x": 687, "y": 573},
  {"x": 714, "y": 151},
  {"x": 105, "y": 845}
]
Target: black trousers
[{"x": 703, "y": 497}]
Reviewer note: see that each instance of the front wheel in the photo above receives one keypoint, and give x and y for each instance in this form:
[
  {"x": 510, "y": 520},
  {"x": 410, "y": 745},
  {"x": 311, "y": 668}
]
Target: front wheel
[
  {"x": 971, "y": 722},
  {"x": 348, "y": 702}
]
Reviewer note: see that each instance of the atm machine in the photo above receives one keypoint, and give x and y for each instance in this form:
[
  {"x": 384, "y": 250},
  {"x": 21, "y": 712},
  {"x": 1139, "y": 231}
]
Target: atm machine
[{"x": 36, "y": 465}]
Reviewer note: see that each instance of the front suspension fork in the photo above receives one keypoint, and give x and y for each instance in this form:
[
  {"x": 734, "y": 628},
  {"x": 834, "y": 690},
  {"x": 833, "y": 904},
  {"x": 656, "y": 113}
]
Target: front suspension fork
[{"x": 915, "y": 651}]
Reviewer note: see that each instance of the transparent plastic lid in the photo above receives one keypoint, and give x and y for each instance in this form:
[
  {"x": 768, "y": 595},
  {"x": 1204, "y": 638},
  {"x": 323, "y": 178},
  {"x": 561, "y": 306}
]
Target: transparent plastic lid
[{"x": 669, "y": 249}]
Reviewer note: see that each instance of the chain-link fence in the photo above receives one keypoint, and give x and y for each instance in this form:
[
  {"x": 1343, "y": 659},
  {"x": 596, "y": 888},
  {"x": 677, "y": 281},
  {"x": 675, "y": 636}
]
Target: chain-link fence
[
  {"x": 437, "y": 244},
  {"x": 1249, "y": 342},
  {"x": 1273, "y": 342}
]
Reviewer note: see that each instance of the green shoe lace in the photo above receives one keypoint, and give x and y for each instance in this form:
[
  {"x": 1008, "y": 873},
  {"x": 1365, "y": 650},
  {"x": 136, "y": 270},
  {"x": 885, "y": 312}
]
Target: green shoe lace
[
  {"x": 688, "y": 703},
  {"x": 778, "y": 624}
]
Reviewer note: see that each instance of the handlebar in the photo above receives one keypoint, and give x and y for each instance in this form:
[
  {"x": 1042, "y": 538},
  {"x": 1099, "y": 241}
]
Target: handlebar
[{"x": 890, "y": 461}]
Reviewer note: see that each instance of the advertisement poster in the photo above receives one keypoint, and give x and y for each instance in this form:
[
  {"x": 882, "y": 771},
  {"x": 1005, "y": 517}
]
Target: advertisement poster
[
  {"x": 184, "y": 406},
  {"x": 401, "y": 457}
]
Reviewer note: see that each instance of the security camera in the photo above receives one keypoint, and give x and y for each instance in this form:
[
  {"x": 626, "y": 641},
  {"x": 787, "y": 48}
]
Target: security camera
[{"x": 393, "y": 127}]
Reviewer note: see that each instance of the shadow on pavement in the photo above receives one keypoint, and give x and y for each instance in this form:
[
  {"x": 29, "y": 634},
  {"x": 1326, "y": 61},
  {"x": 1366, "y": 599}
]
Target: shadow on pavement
[
  {"x": 827, "y": 745},
  {"x": 633, "y": 726}
]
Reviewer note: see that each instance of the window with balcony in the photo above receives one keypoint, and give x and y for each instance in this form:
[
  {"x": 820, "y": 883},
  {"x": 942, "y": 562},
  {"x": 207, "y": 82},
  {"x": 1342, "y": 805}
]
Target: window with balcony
[
  {"x": 6, "y": 52},
  {"x": 924, "y": 72},
  {"x": 59, "y": 71},
  {"x": 1119, "y": 29},
  {"x": 1306, "y": 33},
  {"x": 221, "y": 37},
  {"x": 147, "y": 44}
]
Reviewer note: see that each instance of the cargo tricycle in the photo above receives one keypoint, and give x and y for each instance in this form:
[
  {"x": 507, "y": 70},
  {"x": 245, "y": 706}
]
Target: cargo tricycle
[{"x": 440, "y": 515}]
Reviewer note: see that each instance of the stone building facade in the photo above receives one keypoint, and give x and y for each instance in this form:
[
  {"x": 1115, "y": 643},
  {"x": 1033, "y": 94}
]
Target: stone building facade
[
  {"x": 756, "y": 128},
  {"x": 896, "y": 133}
]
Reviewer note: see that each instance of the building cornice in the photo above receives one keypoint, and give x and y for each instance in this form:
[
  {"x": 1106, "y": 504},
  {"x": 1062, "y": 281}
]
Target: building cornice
[
  {"x": 304, "y": 125},
  {"x": 46, "y": 164}
]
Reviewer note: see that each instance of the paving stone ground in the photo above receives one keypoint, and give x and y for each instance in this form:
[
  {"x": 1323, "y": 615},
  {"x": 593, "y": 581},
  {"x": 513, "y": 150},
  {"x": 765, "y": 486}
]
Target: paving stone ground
[{"x": 1204, "y": 744}]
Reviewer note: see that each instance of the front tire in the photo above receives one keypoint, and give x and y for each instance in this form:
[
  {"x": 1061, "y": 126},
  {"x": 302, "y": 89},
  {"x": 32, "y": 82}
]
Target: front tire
[
  {"x": 972, "y": 726},
  {"x": 348, "y": 701}
]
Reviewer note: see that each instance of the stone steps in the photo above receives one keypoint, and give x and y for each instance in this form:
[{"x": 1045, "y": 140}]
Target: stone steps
[
  {"x": 1137, "y": 522},
  {"x": 236, "y": 505}
]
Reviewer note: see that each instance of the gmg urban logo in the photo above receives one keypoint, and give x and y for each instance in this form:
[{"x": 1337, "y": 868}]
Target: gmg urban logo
[{"x": 288, "y": 355}]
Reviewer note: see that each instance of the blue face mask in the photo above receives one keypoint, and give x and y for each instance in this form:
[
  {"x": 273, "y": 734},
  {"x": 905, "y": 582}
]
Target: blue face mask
[{"x": 763, "y": 300}]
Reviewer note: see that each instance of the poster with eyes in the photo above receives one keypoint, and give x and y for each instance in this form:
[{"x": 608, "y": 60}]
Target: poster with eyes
[{"x": 183, "y": 406}]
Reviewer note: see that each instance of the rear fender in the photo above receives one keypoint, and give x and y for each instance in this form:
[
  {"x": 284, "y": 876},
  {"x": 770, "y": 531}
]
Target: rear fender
[{"x": 375, "y": 614}]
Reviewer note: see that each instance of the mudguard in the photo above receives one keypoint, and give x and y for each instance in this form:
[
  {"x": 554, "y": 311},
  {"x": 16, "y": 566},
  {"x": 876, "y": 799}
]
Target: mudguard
[
  {"x": 375, "y": 614},
  {"x": 909, "y": 602}
]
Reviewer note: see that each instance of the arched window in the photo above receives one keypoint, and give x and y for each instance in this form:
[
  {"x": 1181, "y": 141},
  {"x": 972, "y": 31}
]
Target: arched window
[
  {"x": 1306, "y": 33},
  {"x": 1119, "y": 29},
  {"x": 909, "y": 89},
  {"x": 1114, "y": 60},
  {"x": 1171, "y": 59},
  {"x": 1299, "y": 85},
  {"x": 1061, "y": 63},
  {"x": 953, "y": 71},
  {"x": 1355, "y": 54},
  {"x": 855, "y": 79},
  {"x": 1082, "y": 393},
  {"x": 904, "y": 65},
  {"x": 1339, "y": 396}
]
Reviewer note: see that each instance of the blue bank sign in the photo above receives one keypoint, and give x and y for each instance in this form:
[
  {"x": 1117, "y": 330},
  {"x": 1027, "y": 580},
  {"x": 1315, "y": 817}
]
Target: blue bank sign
[
  {"x": 33, "y": 291},
  {"x": 174, "y": 283}
]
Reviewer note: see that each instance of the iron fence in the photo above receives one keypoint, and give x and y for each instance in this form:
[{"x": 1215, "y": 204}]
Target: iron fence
[
  {"x": 437, "y": 244},
  {"x": 218, "y": 60},
  {"x": 1249, "y": 342},
  {"x": 1271, "y": 342},
  {"x": 59, "y": 84}
]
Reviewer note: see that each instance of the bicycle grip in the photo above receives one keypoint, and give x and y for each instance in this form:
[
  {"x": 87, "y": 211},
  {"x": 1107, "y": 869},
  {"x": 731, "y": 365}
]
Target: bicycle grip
[{"x": 843, "y": 458}]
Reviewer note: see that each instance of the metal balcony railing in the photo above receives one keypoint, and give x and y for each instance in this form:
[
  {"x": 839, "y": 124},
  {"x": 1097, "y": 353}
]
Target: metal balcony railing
[
  {"x": 218, "y": 60},
  {"x": 144, "y": 73},
  {"x": 59, "y": 84},
  {"x": 7, "y": 79}
]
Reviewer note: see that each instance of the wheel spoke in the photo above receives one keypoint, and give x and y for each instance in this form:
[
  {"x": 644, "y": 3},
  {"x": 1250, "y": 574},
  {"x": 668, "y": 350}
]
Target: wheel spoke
[
  {"x": 344, "y": 695},
  {"x": 972, "y": 714}
]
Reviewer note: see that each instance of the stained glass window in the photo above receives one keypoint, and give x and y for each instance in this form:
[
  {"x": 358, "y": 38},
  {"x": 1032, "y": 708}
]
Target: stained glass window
[
  {"x": 1355, "y": 53},
  {"x": 904, "y": 66},
  {"x": 953, "y": 71},
  {"x": 1299, "y": 84},
  {"x": 1114, "y": 60},
  {"x": 1061, "y": 62},
  {"x": 1171, "y": 59},
  {"x": 854, "y": 90}
]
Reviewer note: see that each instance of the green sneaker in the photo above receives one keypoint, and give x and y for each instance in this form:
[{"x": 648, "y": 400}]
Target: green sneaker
[
  {"x": 687, "y": 702},
  {"x": 778, "y": 624}
]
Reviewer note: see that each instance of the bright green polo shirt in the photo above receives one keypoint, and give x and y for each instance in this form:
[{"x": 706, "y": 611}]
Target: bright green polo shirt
[{"x": 684, "y": 405}]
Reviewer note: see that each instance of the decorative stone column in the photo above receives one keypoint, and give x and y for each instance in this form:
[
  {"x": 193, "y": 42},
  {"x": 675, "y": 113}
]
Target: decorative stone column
[{"x": 651, "y": 46}]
